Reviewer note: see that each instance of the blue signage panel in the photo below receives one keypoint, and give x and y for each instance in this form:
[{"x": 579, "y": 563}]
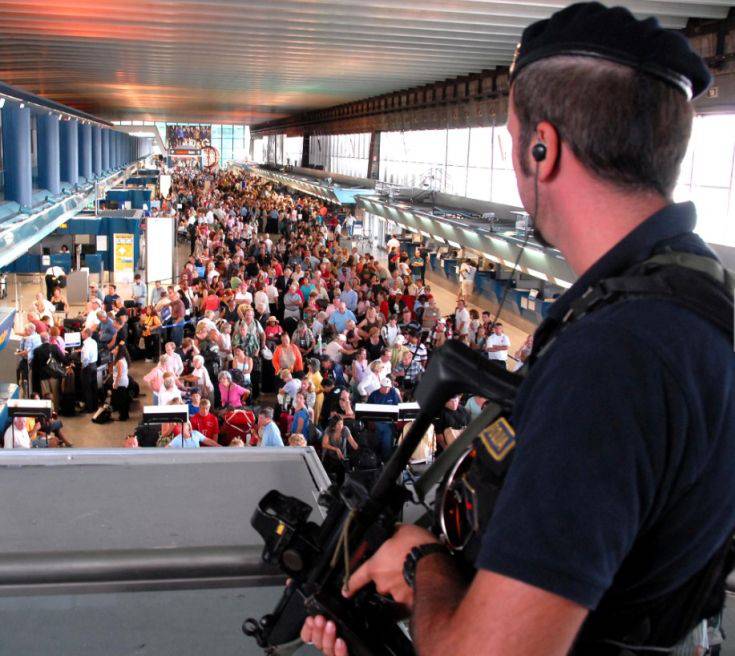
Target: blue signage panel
[{"x": 7, "y": 317}]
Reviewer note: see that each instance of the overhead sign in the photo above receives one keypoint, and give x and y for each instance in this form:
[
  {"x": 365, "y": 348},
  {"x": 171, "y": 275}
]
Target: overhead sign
[{"x": 123, "y": 261}]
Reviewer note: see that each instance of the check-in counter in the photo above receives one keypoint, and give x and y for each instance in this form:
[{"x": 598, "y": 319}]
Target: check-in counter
[
  {"x": 484, "y": 284},
  {"x": 93, "y": 261},
  {"x": 451, "y": 266},
  {"x": 136, "y": 197},
  {"x": 33, "y": 263},
  {"x": 533, "y": 309},
  {"x": 409, "y": 247},
  {"x": 514, "y": 300},
  {"x": 62, "y": 260},
  {"x": 498, "y": 289},
  {"x": 26, "y": 263},
  {"x": 434, "y": 262}
]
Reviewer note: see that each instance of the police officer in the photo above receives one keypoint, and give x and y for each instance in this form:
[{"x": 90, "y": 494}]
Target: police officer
[{"x": 619, "y": 504}]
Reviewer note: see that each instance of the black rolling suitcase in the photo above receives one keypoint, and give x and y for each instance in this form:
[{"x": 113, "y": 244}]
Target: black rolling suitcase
[{"x": 68, "y": 395}]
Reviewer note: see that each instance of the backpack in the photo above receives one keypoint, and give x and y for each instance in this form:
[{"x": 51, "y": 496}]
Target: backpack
[
  {"x": 365, "y": 459},
  {"x": 133, "y": 387},
  {"x": 237, "y": 377},
  {"x": 103, "y": 415}
]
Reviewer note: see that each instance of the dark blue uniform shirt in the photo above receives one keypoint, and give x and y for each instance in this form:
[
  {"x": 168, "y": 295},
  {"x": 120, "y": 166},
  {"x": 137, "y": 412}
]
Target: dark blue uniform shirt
[{"x": 624, "y": 475}]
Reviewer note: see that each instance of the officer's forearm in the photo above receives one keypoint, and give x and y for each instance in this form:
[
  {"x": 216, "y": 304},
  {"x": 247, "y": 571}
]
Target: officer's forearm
[{"x": 438, "y": 592}]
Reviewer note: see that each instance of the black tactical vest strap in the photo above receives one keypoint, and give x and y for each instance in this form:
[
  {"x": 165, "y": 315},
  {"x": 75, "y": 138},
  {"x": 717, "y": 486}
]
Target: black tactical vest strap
[{"x": 697, "y": 283}]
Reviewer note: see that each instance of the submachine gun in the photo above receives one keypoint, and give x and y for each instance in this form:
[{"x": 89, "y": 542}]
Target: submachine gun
[{"x": 318, "y": 559}]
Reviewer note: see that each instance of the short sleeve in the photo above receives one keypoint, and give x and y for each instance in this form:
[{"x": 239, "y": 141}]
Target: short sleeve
[{"x": 591, "y": 439}]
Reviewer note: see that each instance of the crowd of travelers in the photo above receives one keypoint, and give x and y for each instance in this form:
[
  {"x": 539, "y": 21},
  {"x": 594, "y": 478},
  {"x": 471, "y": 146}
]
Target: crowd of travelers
[{"x": 277, "y": 327}]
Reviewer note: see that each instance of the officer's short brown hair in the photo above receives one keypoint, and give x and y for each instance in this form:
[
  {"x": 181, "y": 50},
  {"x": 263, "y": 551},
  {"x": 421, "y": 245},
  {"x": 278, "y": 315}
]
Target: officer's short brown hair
[{"x": 624, "y": 126}]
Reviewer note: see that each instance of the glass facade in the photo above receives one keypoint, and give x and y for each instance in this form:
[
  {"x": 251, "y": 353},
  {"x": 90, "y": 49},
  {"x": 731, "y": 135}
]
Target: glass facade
[
  {"x": 470, "y": 162},
  {"x": 231, "y": 141},
  {"x": 347, "y": 154},
  {"x": 477, "y": 163},
  {"x": 707, "y": 177},
  {"x": 294, "y": 147}
]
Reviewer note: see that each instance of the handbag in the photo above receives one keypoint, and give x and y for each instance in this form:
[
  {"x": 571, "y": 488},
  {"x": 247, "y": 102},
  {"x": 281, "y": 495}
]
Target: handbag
[{"x": 56, "y": 369}]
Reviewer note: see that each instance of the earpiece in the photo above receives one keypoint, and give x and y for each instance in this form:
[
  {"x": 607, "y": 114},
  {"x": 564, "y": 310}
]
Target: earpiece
[{"x": 538, "y": 152}]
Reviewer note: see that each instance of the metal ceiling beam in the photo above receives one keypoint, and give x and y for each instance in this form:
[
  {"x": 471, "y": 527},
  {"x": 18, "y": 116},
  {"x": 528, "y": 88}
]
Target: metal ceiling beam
[
  {"x": 249, "y": 60},
  {"x": 324, "y": 10}
]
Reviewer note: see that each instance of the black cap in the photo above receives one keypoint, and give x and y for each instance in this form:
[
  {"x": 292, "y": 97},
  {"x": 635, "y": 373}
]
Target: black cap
[{"x": 590, "y": 29}]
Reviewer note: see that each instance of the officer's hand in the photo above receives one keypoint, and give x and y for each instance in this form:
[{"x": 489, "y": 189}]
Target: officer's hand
[
  {"x": 385, "y": 568},
  {"x": 322, "y": 634}
]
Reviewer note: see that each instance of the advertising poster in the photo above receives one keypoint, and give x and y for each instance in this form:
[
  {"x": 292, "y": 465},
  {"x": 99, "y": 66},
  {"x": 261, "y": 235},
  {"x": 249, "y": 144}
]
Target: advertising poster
[{"x": 124, "y": 263}]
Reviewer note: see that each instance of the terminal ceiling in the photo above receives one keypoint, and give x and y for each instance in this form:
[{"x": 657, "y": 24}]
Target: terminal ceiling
[{"x": 249, "y": 61}]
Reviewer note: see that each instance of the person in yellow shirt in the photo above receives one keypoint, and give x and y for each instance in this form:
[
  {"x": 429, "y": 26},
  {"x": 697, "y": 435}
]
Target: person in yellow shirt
[{"x": 313, "y": 373}]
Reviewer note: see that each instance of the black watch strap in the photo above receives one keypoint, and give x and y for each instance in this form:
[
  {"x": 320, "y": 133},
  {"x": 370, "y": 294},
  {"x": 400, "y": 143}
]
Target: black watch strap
[{"x": 416, "y": 554}]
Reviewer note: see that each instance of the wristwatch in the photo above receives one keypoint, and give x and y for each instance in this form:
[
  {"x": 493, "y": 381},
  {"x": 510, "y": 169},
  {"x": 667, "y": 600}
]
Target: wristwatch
[{"x": 416, "y": 554}]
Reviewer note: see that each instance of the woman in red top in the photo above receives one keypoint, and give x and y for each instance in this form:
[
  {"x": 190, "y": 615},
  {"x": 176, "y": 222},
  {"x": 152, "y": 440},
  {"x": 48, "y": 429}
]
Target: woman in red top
[
  {"x": 383, "y": 306},
  {"x": 273, "y": 330},
  {"x": 211, "y": 302}
]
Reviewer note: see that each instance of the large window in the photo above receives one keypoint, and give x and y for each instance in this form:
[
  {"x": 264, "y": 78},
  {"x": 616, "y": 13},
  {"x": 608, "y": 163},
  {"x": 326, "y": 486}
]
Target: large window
[
  {"x": 416, "y": 158},
  {"x": 347, "y": 154},
  {"x": 707, "y": 177},
  {"x": 259, "y": 150},
  {"x": 473, "y": 162},
  {"x": 231, "y": 141},
  {"x": 294, "y": 147},
  {"x": 503, "y": 188}
]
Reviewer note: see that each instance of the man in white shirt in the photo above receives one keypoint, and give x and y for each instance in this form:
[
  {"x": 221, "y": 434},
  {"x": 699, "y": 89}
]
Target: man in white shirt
[
  {"x": 89, "y": 371},
  {"x": 30, "y": 342},
  {"x": 53, "y": 277},
  {"x": 140, "y": 292},
  {"x": 497, "y": 345},
  {"x": 16, "y": 436},
  {"x": 92, "y": 320},
  {"x": 169, "y": 391},
  {"x": 350, "y": 224},
  {"x": 462, "y": 318},
  {"x": 335, "y": 348},
  {"x": 466, "y": 279},
  {"x": 393, "y": 244},
  {"x": 385, "y": 365}
]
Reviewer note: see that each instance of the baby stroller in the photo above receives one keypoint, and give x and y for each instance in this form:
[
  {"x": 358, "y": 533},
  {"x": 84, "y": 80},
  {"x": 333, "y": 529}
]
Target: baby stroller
[{"x": 239, "y": 422}]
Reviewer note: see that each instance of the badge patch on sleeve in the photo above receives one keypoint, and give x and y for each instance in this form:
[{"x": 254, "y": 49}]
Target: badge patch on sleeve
[{"x": 499, "y": 439}]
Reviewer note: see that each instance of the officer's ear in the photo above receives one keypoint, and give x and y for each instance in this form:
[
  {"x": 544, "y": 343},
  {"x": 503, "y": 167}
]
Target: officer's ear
[{"x": 545, "y": 149}]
